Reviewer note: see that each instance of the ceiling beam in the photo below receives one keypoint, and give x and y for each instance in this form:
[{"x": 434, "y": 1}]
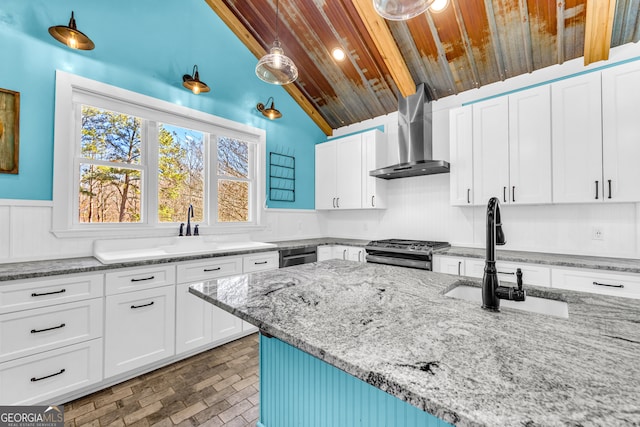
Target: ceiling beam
[
  {"x": 228, "y": 17},
  {"x": 386, "y": 45},
  {"x": 598, "y": 30}
]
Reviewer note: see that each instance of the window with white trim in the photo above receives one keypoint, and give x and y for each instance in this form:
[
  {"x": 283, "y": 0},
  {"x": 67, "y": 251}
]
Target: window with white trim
[{"x": 126, "y": 161}]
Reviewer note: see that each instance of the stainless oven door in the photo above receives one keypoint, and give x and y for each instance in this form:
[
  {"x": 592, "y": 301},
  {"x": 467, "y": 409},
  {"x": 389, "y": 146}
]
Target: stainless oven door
[
  {"x": 289, "y": 257},
  {"x": 423, "y": 263}
]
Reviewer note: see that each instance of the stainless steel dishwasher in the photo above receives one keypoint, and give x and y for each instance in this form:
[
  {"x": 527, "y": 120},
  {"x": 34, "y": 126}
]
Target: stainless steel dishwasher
[{"x": 304, "y": 255}]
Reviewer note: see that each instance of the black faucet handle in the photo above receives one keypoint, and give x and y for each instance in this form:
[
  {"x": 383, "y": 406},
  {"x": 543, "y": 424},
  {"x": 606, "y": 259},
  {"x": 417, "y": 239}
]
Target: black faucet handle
[
  {"x": 196, "y": 230},
  {"x": 181, "y": 229}
]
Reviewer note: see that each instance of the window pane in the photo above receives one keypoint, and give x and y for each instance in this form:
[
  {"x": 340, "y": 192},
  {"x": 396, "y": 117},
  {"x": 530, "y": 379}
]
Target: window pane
[
  {"x": 109, "y": 194},
  {"x": 110, "y": 136},
  {"x": 180, "y": 173},
  {"x": 233, "y": 201},
  {"x": 233, "y": 157}
]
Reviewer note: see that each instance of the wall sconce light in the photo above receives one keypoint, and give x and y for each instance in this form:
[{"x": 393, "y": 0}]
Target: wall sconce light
[
  {"x": 70, "y": 35},
  {"x": 269, "y": 112},
  {"x": 193, "y": 83}
]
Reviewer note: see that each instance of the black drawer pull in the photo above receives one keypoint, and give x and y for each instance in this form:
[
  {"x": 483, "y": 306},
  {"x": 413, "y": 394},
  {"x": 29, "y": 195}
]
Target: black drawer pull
[
  {"x": 143, "y": 279},
  {"x": 468, "y": 195},
  {"x": 504, "y": 194},
  {"x": 35, "y": 331},
  {"x": 608, "y": 285},
  {"x": 261, "y": 262},
  {"x": 513, "y": 193},
  {"x": 609, "y": 188},
  {"x": 143, "y": 305},
  {"x": 596, "y": 190},
  {"x": 506, "y": 272},
  {"x": 34, "y": 379},
  {"x": 207, "y": 270},
  {"x": 61, "y": 291}
]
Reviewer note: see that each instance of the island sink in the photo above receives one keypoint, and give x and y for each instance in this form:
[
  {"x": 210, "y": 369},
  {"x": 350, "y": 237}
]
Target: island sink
[{"x": 532, "y": 304}]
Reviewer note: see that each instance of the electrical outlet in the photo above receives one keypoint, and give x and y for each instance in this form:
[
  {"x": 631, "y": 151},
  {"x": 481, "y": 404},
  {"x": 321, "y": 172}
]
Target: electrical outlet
[{"x": 598, "y": 234}]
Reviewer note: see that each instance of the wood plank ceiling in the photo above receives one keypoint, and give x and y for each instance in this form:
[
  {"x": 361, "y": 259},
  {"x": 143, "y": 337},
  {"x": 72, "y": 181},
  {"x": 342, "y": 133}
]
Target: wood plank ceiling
[{"x": 469, "y": 44}]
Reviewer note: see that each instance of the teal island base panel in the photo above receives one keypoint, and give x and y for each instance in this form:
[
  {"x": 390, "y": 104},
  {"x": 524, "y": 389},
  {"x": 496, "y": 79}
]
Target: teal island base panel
[{"x": 299, "y": 390}]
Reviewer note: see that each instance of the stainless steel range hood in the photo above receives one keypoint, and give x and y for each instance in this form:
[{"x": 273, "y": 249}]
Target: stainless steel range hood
[{"x": 414, "y": 140}]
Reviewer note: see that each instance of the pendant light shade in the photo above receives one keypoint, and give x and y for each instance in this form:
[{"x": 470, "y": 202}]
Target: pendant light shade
[
  {"x": 269, "y": 112},
  {"x": 401, "y": 10},
  {"x": 275, "y": 67},
  {"x": 70, "y": 35},
  {"x": 193, "y": 83}
]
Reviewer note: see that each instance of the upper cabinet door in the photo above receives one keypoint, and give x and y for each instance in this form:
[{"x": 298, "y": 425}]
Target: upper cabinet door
[
  {"x": 461, "y": 155},
  {"x": 374, "y": 156},
  {"x": 491, "y": 150},
  {"x": 326, "y": 176},
  {"x": 530, "y": 146},
  {"x": 621, "y": 132},
  {"x": 576, "y": 107},
  {"x": 349, "y": 172}
]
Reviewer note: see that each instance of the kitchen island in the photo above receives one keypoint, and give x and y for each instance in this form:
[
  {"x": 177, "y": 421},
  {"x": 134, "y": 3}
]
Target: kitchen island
[{"x": 394, "y": 329}]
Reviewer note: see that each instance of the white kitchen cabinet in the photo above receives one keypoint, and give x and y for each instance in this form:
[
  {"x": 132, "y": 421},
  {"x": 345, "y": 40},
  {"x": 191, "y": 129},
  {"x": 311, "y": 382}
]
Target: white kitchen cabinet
[
  {"x": 512, "y": 148},
  {"x": 491, "y": 150},
  {"x": 349, "y": 253},
  {"x": 532, "y": 274},
  {"x": 139, "y": 329},
  {"x": 448, "y": 265},
  {"x": 621, "y": 133},
  {"x": 374, "y": 156},
  {"x": 262, "y": 261},
  {"x": 194, "y": 320},
  {"x": 461, "y": 155},
  {"x": 576, "y": 107},
  {"x": 356, "y": 254},
  {"x": 324, "y": 252},
  {"x": 225, "y": 324},
  {"x": 339, "y": 173},
  {"x": 139, "y": 278},
  {"x": 530, "y": 146},
  {"x": 596, "y": 281}
]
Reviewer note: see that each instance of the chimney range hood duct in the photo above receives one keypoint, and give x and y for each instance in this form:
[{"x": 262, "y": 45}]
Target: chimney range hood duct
[{"x": 414, "y": 140}]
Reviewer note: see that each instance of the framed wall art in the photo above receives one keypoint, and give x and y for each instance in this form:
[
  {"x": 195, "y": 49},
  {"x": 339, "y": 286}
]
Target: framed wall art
[{"x": 9, "y": 131}]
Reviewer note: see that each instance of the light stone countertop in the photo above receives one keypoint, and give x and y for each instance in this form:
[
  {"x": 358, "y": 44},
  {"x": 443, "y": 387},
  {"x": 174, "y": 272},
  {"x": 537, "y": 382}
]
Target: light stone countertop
[{"x": 394, "y": 328}]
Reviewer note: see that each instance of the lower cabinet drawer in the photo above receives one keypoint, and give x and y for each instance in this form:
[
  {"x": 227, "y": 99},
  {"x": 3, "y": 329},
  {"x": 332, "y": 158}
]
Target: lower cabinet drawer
[
  {"x": 260, "y": 262},
  {"x": 44, "y": 376},
  {"x": 138, "y": 278},
  {"x": 615, "y": 284},
  {"x": 209, "y": 269},
  {"x": 31, "y": 331}
]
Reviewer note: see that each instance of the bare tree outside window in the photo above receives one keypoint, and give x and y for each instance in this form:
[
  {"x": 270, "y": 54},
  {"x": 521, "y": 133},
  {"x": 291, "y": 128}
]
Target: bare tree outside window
[
  {"x": 109, "y": 191},
  {"x": 233, "y": 180},
  {"x": 180, "y": 173}
]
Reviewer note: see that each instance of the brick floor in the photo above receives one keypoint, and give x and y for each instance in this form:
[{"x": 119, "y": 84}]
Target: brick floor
[{"x": 217, "y": 388}]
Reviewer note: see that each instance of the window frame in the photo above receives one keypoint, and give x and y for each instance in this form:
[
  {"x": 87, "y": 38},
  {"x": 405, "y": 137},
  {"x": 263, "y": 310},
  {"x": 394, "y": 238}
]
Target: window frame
[{"x": 73, "y": 90}]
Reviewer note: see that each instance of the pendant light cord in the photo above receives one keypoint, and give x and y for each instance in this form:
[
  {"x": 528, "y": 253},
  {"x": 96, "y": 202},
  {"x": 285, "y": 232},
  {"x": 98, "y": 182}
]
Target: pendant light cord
[{"x": 277, "y": 10}]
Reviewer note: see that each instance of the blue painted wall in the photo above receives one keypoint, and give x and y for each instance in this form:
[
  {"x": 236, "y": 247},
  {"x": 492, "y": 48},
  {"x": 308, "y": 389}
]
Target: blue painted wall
[{"x": 143, "y": 46}]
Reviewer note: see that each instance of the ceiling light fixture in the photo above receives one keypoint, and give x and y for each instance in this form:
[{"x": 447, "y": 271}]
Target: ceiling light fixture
[
  {"x": 269, "y": 112},
  {"x": 275, "y": 67},
  {"x": 338, "y": 54},
  {"x": 193, "y": 83},
  {"x": 70, "y": 36},
  {"x": 401, "y": 10}
]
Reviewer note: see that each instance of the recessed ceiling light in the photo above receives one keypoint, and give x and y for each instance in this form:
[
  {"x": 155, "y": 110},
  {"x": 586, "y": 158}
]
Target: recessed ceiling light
[
  {"x": 338, "y": 54},
  {"x": 438, "y": 5}
]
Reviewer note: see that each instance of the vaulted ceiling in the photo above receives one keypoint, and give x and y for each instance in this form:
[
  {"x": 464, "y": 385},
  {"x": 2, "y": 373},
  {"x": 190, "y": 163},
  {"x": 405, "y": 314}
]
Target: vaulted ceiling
[{"x": 469, "y": 44}]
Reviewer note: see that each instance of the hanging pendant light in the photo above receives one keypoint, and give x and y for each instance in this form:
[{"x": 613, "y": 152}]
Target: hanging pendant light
[
  {"x": 401, "y": 10},
  {"x": 269, "y": 112},
  {"x": 70, "y": 35},
  {"x": 193, "y": 83},
  {"x": 275, "y": 67}
]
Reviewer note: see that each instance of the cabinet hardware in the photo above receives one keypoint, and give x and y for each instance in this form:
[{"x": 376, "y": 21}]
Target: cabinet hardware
[
  {"x": 344, "y": 254},
  {"x": 506, "y": 272},
  {"x": 596, "y": 190},
  {"x": 143, "y": 305},
  {"x": 373, "y": 203},
  {"x": 468, "y": 195},
  {"x": 609, "y": 285},
  {"x": 143, "y": 279},
  {"x": 334, "y": 202},
  {"x": 359, "y": 253},
  {"x": 609, "y": 188},
  {"x": 35, "y": 331},
  {"x": 459, "y": 266},
  {"x": 61, "y": 291},
  {"x": 261, "y": 262},
  {"x": 504, "y": 194},
  {"x": 207, "y": 270},
  {"x": 513, "y": 193},
  {"x": 338, "y": 202},
  {"x": 34, "y": 379}
]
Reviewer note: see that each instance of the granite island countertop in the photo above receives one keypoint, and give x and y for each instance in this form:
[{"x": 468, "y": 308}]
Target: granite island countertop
[{"x": 394, "y": 328}]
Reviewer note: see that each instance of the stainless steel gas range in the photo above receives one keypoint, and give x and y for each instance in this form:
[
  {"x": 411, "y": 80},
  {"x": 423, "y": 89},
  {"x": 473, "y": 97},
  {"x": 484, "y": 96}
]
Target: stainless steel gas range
[{"x": 404, "y": 253}]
